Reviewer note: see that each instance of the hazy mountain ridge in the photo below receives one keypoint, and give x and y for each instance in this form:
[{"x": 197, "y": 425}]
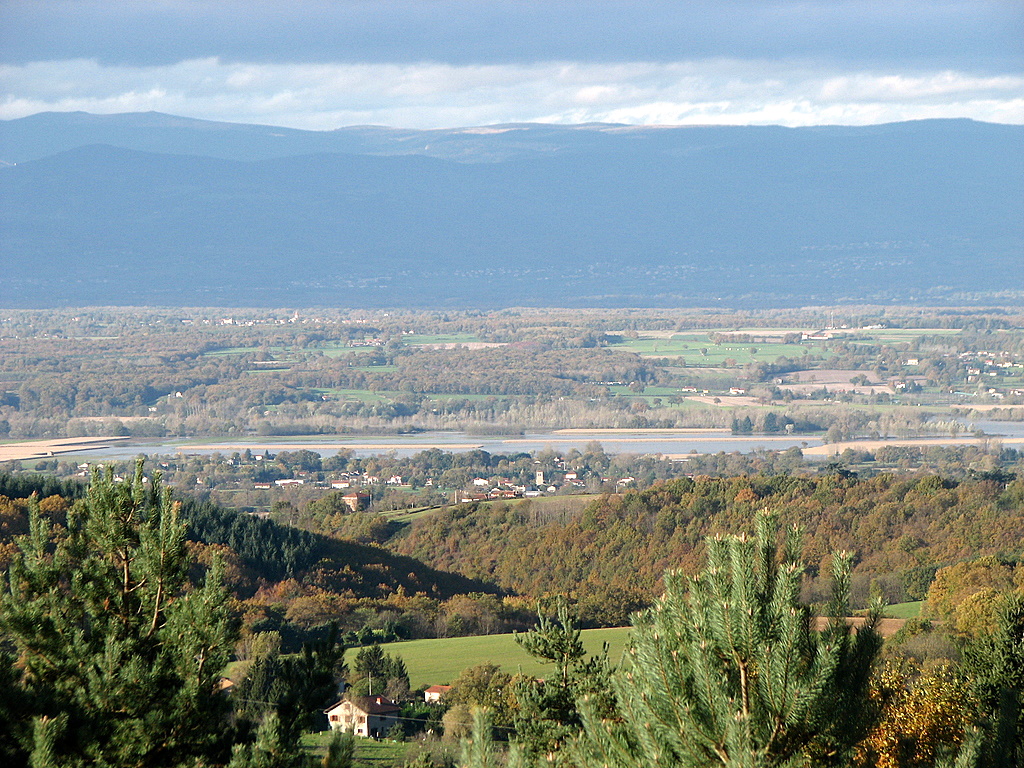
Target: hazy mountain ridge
[
  {"x": 49, "y": 133},
  {"x": 513, "y": 214}
]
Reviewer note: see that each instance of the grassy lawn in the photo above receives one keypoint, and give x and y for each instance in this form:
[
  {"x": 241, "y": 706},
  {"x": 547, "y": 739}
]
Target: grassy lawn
[
  {"x": 904, "y": 610},
  {"x": 368, "y": 751},
  {"x": 336, "y": 348},
  {"x": 237, "y": 670},
  {"x": 403, "y": 516},
  {"x": 442, "y": 660}
]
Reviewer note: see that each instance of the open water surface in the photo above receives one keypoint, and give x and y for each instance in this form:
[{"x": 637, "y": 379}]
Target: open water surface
[
  {"x": 407, "y": 445},
  {"x": 639, "y": 442}
]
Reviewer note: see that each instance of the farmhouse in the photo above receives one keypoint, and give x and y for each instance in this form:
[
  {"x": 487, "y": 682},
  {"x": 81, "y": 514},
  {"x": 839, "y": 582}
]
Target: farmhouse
[
  {"x": 371, "y": 716},
  {"x": 356, "y": 500},
  {"x": 433, "y": 694}
]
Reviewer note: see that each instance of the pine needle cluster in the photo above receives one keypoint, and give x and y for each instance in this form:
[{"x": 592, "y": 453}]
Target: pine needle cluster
[{"x": 726, "y": 668}]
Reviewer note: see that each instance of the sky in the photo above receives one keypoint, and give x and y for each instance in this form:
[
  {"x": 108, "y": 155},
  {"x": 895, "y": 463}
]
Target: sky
[{"x": 319, "y": 64}]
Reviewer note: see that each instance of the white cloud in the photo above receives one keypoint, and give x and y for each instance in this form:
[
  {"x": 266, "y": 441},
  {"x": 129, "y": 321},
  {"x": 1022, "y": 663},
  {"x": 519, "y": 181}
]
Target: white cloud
[{"x": 431, "y": 95}]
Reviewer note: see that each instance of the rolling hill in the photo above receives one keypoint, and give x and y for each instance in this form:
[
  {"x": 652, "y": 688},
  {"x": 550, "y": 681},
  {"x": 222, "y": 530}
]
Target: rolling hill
[{"x": 151, "y": 209}]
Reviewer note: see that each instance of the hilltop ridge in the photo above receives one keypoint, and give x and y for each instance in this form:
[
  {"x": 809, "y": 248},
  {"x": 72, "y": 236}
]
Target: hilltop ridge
[{"x": 215, "y": 213}]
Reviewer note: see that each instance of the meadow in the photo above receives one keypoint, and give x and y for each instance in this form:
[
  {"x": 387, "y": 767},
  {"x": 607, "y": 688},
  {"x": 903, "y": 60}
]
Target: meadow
[{"x": 440, "y": 661}]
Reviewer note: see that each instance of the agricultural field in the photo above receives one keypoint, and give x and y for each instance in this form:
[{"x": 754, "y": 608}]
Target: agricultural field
[
  {"x": 433, "y": 339},
  {"x": 911, "y": 610},
  {"x": 697, "y": 349},
  {"x": 193, "y": 374},
  {"x": 368, "y": 752},
  {"x": 440, "y": 661}
]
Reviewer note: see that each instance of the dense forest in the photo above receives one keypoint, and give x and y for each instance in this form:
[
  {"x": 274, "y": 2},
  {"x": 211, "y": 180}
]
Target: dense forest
[
  {"x": 478, "y": 567},
  {"x": 299, "y": 583}
]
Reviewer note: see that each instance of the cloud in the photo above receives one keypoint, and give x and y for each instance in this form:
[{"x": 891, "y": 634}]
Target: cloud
[
  {"x": 435, "y": 94},
  {"x": 929, "y": 34}
]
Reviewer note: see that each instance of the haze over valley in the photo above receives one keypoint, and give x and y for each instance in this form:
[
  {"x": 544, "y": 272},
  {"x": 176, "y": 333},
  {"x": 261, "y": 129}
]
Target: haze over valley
[{"x": 143, "y": 209}]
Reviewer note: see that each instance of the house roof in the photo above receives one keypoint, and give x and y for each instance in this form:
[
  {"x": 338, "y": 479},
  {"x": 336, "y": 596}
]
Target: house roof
[
  {"x": 370, "y": 705},
  {"x": 437, "y": 689}
]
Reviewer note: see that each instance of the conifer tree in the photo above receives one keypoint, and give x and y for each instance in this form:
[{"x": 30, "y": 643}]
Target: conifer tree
[
  {"x": 293, "y": 688},
  {"x": 547, "y": 716},
  {"x": 118, "y": 655},
  {"x": 996, "y": 662},
  {"x": 727, "y": 670}
]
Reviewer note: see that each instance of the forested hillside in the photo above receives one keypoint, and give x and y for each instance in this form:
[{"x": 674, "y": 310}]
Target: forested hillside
[
  {"x": 900, "y": 530},
  {"x": 610, "y": 556},
  {"x": 289, "y": 579}
]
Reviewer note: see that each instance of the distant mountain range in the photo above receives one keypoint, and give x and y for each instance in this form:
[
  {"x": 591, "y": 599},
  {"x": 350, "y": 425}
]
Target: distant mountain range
[{"x": 156, "y": 209}]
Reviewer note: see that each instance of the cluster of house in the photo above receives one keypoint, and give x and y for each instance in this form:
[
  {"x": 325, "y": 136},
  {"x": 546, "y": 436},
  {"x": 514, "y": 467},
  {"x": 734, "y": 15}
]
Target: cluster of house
[
  {"x": 373, "y": 716},
  {"x": 479, "y": 489},
  {"x": 994, "y": 367},
  {"x": 353, "y": 479},
  {"x": 503, "y": 488},
  {"x": 482, "y": 489},
  {"x": 355, "y": 499}
]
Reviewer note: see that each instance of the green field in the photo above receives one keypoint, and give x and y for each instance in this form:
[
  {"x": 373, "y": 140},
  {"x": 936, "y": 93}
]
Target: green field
[
  {"x": 900, "y": 335},
  {"x": 436, "y": 397},
  {"x": 440, "y": 661},
  {"x": 688, "y": 346},
  {"x": 360, "y": 395},
  {"x": 624, "y": 391},
  {"x": 223, "y": 351},
  {"x": 408, "y": 515},
  {"x": 416, "y": 339},
  {"x": 368, "y": 751},
  {"x": 337, "y": 348},
  {"x": 904, "y": 610}
]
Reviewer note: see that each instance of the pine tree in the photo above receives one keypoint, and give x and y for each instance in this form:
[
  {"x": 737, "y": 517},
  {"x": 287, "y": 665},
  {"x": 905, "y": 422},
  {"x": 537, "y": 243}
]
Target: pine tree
[
  {"x": 547, "y": 716},
  {"x": 726, "y": 669},
  {"x": 119, "y": 656},
  {"x": 293, "y": 689},
  {"x": 996, "y": 662}
]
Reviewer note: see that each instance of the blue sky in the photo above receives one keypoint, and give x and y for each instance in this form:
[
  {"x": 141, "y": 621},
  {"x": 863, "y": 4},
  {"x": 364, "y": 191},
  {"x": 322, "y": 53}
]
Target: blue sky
[{"x": 445, "y": 63}]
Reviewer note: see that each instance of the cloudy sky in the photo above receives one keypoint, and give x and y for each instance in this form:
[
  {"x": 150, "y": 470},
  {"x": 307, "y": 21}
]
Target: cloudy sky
[{"x": 322, "y": 64}]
